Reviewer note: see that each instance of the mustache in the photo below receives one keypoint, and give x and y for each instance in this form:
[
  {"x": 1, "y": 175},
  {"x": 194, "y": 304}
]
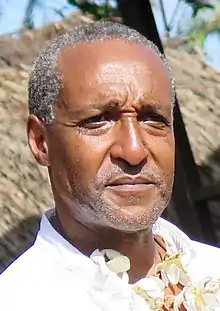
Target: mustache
[{"x": 149, "y": 174}]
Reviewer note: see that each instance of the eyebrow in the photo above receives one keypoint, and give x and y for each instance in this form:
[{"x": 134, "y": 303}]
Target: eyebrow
[
  {"x": 96, "y": 109},
  {"x": 146, "y": 106},
  {"x": 151, "y": 106},
  {"x": 106, "y": 107}
]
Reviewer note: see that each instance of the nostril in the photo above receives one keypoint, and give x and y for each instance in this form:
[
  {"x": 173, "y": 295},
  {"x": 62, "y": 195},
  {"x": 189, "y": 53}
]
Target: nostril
[
  {"x": 134, "y": 157},
  {"x": 127, "y": 168}
]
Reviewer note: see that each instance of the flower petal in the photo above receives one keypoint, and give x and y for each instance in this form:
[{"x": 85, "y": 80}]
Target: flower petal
[
  {"x": 164, "y": 278},
  {"x": 173, "y": 274},
  {"x": 178, "y": 300},
  {"x": 125, "y": 277},
  {"x": 185, "y": 259},
  {"x": 213, "y": 286},
  {"x": 110, "y": 253},
  {"x": 153, "y": 286},
  {"x": 190, "y": 305},
  {"x": 183, "y": 278},
  {"x": 159, "y": 267},
  {"x": 96, "y": 253},
  {"x": 119, "y": 264},
  {"x": 159, "y": 282},
  {"x": 150, "y": 283},
  {"x": 210, "y": 301}
]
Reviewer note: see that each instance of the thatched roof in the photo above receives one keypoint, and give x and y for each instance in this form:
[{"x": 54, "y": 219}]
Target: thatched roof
[{"x": 24, "y": 188}]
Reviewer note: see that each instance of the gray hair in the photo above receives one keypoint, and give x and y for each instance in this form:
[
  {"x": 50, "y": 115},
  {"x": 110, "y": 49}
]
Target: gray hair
[{"x": 45, "y": 82}]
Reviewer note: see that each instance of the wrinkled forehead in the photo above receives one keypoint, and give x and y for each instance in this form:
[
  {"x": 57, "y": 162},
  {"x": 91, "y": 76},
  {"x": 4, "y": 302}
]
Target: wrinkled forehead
[{"x": 111, "y": 66}]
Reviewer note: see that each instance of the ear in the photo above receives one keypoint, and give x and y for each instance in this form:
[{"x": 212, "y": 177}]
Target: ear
[{"x": 37, "y": 140}]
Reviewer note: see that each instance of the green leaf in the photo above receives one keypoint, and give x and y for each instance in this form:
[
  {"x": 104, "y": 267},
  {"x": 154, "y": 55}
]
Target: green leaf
[{"x": 198, "y": 5}]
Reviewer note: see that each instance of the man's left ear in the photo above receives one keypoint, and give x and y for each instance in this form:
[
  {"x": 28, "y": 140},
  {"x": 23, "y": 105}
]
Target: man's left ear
[{"x": 37, "y": 140}]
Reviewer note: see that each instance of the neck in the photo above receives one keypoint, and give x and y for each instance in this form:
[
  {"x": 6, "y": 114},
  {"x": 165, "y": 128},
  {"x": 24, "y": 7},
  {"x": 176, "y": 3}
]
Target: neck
[{"x": 139, "y": 247}]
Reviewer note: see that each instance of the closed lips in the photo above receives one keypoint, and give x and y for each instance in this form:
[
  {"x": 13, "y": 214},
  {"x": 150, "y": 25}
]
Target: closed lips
[{"x": 123, "y": 181}]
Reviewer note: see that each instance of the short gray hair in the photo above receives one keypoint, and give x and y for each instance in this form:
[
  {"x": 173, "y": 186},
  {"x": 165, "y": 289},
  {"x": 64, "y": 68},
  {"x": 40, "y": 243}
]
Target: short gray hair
[{"x": 45, "y": 82}]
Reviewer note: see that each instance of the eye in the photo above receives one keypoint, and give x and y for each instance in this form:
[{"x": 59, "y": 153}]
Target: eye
[
  {"x": 154, "y": 120},
  {"x": 95, "y": 122}
]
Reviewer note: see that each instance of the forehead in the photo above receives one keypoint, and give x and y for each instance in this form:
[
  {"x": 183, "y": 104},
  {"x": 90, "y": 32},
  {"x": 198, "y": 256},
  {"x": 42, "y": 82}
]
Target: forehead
[{"x": 110, "y": 68}]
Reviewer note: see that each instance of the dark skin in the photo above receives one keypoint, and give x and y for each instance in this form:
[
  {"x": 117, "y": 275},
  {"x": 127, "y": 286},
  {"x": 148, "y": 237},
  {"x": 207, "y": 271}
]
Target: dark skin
[{"x": 110, "y": 149}]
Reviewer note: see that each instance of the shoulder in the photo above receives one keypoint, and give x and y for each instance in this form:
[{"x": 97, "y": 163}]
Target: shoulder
[
  {"x": 205, "y": 249},
  {"x": 207, "y": 259},
  {"x": 30, "y": 283},
  {"x": 37, "y": 282},
  {"x": 40, "y": 278},
  {"x": 21, "y": 270},
  {"x": 17, "y": 281}
]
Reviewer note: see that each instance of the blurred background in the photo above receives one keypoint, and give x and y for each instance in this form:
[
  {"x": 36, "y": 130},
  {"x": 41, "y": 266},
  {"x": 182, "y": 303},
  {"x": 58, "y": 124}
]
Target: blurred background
[{"x": 190, "y": 34}]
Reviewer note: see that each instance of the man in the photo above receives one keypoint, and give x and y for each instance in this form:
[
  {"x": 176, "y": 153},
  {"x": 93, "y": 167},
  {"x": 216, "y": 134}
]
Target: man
[{"x": 101, "y": 121}]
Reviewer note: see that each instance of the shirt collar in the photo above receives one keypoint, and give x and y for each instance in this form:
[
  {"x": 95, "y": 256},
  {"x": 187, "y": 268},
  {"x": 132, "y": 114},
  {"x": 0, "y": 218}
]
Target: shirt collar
[{"x": 175, "y": 240}]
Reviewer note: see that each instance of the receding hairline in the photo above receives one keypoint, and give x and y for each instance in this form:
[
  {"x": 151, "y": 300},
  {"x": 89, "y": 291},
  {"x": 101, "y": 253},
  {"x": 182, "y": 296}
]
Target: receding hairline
[
  {"x": 45, "y": 80},
  {"x": 85, "y": 45},
  {"x": 109, "y": 39}
]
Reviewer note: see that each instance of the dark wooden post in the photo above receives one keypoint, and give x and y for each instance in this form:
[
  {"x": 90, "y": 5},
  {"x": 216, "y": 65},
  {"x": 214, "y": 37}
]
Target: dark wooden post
[{"x": 194, "y": 218}]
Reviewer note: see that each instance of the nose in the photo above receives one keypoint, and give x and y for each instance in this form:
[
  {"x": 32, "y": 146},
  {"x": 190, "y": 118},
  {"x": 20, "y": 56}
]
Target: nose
[{"x": 129, "y": 144}]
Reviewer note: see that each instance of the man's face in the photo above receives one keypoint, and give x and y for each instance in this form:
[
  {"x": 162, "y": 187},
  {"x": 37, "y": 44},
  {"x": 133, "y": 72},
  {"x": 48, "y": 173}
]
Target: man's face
[{"x": 111, "y": 145}]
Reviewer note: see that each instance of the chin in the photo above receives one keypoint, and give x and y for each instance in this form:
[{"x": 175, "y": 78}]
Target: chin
[
  {"x": 130, "y": 213},
  {"x": 130, "y": 227},
  {"x": 134, "y": 218}
]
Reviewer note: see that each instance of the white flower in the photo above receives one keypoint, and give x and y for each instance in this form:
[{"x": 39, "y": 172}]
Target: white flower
[
  {"x": 200, "y": 296},
  {"x": 152, "y": 290},
  {"x": 173, "y": 270},
  {"x": 114, "y": 261},
  {"x": 195, "y": 296}
]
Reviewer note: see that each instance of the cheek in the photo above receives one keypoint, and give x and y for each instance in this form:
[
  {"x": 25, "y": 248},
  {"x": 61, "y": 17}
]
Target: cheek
[
  {"x": 91, "y": 153},
  {"x": 163, "y": 151},
  {"x": 79, "y": 156}
]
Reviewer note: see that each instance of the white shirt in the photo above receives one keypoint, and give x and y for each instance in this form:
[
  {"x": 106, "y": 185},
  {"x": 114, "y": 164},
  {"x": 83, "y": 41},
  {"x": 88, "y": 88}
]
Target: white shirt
[{"x": 52, "y": 275}]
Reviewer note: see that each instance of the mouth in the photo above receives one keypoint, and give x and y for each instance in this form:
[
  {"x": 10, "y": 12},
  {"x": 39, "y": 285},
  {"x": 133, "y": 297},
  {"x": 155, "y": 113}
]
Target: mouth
[{"x": 130, "y": 185}]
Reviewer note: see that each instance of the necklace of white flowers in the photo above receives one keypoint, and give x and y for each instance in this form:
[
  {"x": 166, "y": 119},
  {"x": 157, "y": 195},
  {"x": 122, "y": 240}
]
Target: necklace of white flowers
[{"x": 170, "y": 272}]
